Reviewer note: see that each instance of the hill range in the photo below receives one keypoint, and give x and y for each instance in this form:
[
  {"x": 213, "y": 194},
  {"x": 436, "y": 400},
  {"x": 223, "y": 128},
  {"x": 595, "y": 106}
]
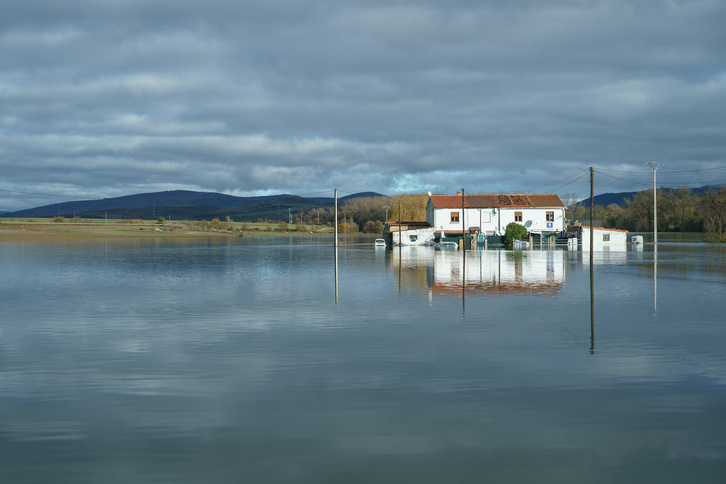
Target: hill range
[
  {"x": 192, "y": 205},
  {"x": 187, "y": 205},
  {"x": 620, "y": 198}
]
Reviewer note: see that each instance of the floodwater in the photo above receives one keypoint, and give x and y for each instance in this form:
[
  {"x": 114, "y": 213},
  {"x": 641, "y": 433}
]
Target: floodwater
[{"x": 241, "y": 360}]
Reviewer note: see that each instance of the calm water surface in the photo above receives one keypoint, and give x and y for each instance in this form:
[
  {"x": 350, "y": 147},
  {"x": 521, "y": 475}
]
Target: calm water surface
[{"x": 237, "y": 360}]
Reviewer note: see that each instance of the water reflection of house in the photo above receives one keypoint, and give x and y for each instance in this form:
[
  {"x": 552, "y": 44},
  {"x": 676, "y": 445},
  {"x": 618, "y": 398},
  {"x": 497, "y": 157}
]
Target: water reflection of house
[{"x": 537, "y": 273}]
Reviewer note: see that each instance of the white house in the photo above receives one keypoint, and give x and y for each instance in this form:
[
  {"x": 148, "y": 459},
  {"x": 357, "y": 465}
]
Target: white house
[{"x": 490, "y": 214}]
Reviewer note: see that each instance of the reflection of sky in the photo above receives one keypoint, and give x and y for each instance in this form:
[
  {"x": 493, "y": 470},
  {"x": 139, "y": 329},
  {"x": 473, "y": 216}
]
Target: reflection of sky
[{"x": 137, "y": 356}]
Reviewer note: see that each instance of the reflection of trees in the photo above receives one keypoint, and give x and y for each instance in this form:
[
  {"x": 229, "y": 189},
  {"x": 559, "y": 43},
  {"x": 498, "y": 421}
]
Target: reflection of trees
[{"x": 416, "y": 266}]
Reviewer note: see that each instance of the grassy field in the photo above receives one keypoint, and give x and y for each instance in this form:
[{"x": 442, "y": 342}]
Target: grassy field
[{"x": 47, "y": 230}]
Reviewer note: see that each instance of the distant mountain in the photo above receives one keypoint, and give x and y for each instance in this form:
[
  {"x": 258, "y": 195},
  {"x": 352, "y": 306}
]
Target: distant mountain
[
  {"x": 331, "y": 200},
  {"x": 186, "y": 205},
  {"x": 606, "y": 199}
]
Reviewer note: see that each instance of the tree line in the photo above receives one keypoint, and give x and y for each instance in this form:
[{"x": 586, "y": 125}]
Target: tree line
[
  {"x": 369, "y": 214},
  {"x": 679, "y": 210}
]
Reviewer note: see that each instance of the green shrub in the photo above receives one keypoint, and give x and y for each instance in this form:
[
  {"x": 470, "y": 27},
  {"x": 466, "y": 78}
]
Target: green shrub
[{"x": 514, "y": 232}]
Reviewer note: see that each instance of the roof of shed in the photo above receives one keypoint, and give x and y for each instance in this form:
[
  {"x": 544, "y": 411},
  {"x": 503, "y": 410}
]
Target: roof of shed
[{"x": 496, "y": 201}]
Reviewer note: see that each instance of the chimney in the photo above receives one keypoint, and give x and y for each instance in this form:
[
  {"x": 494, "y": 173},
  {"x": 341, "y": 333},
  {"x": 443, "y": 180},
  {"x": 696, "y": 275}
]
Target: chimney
[{"x": 458, "y": 192}]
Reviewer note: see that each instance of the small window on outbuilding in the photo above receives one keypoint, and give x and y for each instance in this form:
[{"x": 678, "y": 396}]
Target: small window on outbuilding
[
  {"x": 454, "y": 217},
  {"x": 517, "y": 216},
  {"x": 550, "y": 216},
  {"x": 606, "y": 237}
]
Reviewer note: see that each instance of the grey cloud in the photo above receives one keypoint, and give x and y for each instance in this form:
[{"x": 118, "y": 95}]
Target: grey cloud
[{"x": 255, "y": 97}]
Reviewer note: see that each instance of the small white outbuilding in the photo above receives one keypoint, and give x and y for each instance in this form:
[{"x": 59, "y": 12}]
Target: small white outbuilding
[{"x": 603, "y": 239}]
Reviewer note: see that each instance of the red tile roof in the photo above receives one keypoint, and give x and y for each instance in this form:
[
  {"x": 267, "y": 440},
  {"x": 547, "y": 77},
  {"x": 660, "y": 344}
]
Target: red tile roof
[{"x": 494, "y": 201}]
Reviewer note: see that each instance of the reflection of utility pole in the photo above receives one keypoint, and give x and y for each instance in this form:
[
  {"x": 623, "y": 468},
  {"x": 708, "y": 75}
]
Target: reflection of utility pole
[
  {"x": 463, "y": 256},
  {"x": 400, "y": 240},
  {"x": 654, "y": 166}
]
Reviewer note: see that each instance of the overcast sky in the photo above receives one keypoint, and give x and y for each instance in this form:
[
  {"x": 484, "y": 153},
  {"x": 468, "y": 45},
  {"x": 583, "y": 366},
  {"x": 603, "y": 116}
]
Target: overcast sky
[{"x": 103, "y": 98}]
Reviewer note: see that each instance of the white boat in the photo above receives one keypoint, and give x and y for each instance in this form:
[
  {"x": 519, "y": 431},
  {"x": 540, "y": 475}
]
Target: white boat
[{"x": 380, "y": 242}]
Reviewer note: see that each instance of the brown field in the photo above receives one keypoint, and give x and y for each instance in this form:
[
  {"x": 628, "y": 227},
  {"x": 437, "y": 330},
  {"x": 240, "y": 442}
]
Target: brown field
[
  {"x": 59, "y": 232},
  {"x": 45, "y": 231}
]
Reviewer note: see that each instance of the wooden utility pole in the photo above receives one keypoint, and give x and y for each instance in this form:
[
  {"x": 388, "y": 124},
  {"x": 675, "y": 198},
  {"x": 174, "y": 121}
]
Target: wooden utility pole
[
  {"x": 400, "y": 241},
  {"x": 592, "y": 221},
  {"x": 463, "y": 224},
  {"x": 654, "y": 166}
]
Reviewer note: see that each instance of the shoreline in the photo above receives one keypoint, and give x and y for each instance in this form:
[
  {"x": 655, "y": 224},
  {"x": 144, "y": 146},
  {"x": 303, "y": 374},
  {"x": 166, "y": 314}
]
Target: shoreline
[{"x": 49, "y": 232}]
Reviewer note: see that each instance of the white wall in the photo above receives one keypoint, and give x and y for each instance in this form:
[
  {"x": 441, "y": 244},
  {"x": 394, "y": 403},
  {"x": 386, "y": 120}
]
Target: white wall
[
  {"x": 496, "y": 220},
  {"x": 618, "y": 239},
  {"x": 534, "y": 219},
  {"x": 484, "y": 218}
]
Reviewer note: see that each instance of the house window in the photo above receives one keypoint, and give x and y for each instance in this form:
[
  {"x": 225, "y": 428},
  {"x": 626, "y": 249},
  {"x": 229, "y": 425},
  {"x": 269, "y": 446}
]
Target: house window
[
  {"x": 454, "y": 217},
  {"x": 413, "y": 238},
  {"x": 550, "y": 216},
  {"x": 518, "y": 217},
  {"x": 606, "y": 237}
]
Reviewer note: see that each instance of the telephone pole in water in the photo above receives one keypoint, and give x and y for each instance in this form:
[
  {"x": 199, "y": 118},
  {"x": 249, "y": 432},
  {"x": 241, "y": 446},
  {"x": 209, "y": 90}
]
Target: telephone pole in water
[
  {"x": 654, "y": 166},
  {"x": 592, "y": 222}
]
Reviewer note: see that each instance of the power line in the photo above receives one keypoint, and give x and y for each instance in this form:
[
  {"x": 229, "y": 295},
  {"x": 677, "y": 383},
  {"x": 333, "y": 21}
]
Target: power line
[
  {"x": 567, "y": 184},
  {"x": 695, "y": 171},
  {"x": 41, "y": 194},
  {"x": 646, "y": 184},
  {"x": 578, "y": 175},
  {"x": 622, "y": 179}
]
